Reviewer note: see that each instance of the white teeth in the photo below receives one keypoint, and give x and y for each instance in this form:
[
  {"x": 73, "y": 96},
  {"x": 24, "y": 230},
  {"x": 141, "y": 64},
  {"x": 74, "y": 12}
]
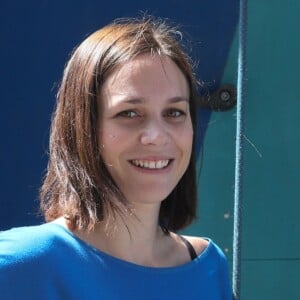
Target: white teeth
[
  {"x": 159, "y": 164},
  {"x": 151, "y": 164}
]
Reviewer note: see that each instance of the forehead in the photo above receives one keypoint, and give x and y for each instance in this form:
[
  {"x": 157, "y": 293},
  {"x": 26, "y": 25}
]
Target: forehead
[{"x": 147, "y": 75}]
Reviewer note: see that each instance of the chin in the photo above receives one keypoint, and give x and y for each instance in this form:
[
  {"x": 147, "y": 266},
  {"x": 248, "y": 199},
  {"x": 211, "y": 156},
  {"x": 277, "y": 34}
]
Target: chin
[{"x": 147, "y": 197}]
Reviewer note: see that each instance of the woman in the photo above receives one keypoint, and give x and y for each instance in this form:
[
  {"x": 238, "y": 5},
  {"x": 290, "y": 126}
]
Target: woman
[{"x": 120, "y": 181}]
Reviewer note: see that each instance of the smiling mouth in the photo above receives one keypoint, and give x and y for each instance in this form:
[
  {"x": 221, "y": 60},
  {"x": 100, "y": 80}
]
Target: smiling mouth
[{"x": 146, "y": 164}]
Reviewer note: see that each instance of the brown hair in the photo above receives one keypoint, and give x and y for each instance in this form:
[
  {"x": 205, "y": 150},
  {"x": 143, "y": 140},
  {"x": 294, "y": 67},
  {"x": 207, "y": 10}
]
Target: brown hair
[{"x": 77, "y": 183}]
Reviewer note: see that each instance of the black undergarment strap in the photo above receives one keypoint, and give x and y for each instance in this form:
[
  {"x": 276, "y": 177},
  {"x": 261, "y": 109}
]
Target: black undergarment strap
[{"x": 190, "y": 248}]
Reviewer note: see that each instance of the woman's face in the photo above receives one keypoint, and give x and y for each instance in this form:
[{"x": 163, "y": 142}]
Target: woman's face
[{"x": 145, "y": 127}]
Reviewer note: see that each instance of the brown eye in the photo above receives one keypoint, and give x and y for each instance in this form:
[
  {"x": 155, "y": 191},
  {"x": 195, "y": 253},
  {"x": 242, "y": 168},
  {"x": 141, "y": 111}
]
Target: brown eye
[
  {"x": 128, "y": 114},
  {"x": 175, "y": 113}
]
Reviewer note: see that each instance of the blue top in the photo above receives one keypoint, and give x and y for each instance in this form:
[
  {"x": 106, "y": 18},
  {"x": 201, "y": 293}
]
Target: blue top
[{"x": 49, "y": 262}]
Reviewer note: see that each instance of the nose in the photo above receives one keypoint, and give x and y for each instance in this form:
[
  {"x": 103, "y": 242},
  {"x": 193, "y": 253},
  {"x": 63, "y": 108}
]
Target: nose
[{"x": 154, "y": 133}]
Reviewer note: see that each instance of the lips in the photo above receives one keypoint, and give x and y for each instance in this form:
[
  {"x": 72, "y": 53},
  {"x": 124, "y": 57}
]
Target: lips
[{"x": 148, "y": 164}]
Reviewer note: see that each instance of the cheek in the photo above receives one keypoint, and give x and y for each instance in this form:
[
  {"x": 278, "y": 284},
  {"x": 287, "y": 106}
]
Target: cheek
[
  {"x": 107, "y": 144},
  {"x": 113, "y": 142},
  {"x": 107, "y": 135},
  {"x": 189, "y": 141},
  {"x": 107, "y": 140},
  {"x": 112, "y": 132},
  {"x": 186, "y": 137}
]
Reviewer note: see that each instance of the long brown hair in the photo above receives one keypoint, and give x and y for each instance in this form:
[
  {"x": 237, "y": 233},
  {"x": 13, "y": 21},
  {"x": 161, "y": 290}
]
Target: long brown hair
[{"x": 77, "y": 183}]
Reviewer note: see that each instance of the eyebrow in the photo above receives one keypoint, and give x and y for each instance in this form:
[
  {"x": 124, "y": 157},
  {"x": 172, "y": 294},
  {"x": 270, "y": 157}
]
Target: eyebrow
[{"x": 142, "y": 100}]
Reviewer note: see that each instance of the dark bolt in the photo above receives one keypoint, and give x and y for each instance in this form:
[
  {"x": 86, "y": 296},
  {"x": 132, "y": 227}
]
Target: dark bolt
[{"x": 225, "y": 95}]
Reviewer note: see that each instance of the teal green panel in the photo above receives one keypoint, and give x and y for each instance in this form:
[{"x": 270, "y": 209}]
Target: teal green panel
[
  {"x": 271, "y": 176},
  {"x": 271, "y": 181},
  {"x": 270, "y": 280},
  {"x": 216, "y": 179}
]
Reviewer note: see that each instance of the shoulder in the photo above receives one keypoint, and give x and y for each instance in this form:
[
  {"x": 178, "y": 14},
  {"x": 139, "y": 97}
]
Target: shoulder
[
  {"x": 208, "y": 247},
  {"x": 198, "y": 243},
  {"x": 212, "y": 262},
  {"x": 32, "y": 257},
  {"x": 22, "y": 244},
  {"x": 28, "y": 260}
]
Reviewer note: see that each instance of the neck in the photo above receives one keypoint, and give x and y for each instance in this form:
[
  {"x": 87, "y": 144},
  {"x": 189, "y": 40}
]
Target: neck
[{"x": 135, "y": 238}]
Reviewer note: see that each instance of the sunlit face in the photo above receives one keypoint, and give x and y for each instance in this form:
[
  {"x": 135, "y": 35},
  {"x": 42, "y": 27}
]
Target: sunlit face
[{"x": 145, "y": 125}]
